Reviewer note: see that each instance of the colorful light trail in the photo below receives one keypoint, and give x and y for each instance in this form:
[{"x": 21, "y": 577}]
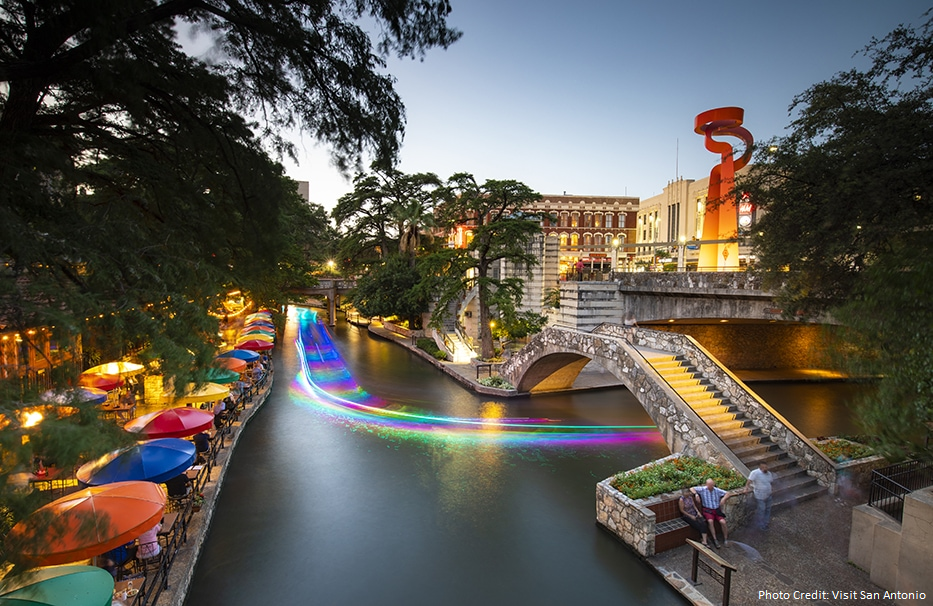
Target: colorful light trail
[{"x": 328, "y": 385}]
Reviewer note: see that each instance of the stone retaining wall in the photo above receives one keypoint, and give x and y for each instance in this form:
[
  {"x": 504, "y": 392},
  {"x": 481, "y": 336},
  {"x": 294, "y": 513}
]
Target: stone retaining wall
[{"x": 633, "y": 522}]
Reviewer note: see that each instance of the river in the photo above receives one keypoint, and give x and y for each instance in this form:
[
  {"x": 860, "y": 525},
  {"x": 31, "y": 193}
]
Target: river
[{"x": 375, "y": 485}]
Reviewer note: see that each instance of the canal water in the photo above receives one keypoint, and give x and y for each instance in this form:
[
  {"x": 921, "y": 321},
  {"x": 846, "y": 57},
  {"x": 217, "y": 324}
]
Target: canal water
[{"x": 382, "y": 481}]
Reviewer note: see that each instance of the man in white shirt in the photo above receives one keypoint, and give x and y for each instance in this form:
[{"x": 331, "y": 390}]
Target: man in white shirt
[{"x": 759, "y": 480}]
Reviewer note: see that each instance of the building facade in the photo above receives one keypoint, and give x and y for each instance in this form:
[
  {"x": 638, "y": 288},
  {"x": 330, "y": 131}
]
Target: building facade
[{"x": 670, "y": 225}]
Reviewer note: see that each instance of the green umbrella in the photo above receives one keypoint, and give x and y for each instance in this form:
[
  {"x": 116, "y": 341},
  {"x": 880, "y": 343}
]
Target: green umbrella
[
  {"x": 222, "y": 375},
  {"x": 59, "y": 586}
]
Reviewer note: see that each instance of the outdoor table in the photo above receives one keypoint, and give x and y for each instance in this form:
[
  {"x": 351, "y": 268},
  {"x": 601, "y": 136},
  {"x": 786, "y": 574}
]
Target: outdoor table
[
  {"x": 119, "y": 412},
  {"x": 168, "y": 523},
  {"x": 120, "y": 586},
  {"x": 192, "y": 472},
  {"x": 48, "y": 480}
]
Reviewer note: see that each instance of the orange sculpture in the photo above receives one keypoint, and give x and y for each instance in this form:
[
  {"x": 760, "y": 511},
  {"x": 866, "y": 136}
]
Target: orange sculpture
[{"x": 720, "y": 219}]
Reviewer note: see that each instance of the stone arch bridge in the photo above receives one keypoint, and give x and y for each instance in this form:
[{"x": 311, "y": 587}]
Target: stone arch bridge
[
  {"x": 331, "y": 290},
  {"x": 698, "y": 405}
]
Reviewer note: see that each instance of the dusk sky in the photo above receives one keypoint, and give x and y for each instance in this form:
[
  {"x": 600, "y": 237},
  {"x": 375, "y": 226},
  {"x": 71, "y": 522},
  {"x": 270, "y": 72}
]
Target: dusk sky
[{"x": 597, "y": 97}]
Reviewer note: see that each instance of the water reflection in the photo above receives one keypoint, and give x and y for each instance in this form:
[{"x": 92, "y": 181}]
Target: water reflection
[{"x": 327, "y": 383}]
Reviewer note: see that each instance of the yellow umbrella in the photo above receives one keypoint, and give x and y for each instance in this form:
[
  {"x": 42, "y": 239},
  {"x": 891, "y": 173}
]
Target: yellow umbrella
[
  {"x": 256, "y": 337},
  {"x": 209, "y": 392},
  {"x": 123, "y": 369}
]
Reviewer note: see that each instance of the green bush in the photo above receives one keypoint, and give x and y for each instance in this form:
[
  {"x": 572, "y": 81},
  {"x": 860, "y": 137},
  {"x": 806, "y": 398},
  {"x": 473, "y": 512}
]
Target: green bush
[
  {"x": 672, "y": 475},
  {"x": 844, "y": 450},
  {"x": 428, "y": 345},
  {"x": 497, "y": 382},
  {"x": 440, "y": 355}
]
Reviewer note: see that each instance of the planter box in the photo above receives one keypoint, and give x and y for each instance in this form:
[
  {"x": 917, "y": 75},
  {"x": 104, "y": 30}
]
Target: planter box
[
  {"x": 636, "y": 521},
  {"x": 855, "y": 473}
]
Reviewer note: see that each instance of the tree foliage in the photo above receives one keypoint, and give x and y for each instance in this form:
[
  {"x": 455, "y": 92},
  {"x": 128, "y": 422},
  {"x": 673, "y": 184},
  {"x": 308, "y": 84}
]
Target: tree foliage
[
  {"x": 384, "y": 214},
  {"x": 136, "y": 180},
  {"x": 501, "y": 231},
  {"x": 392, "y": 288},
  {"x": 848, "y": 200}
]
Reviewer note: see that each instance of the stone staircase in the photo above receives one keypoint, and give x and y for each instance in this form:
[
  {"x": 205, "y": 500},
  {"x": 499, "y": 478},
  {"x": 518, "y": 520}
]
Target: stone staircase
[{"x": 792, "y": 484}]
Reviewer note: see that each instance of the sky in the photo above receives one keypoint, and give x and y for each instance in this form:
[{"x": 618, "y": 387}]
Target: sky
[{"x": 598, "y": 97}]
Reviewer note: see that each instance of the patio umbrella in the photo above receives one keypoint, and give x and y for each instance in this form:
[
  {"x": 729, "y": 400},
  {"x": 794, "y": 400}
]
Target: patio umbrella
[
  {"x": 262, "y": 329},
  {"x": 240, "y": 354},
  {"x": 262, "y": 313},
  {"x": 171, "y": 423},
  {"x": 60, "y": 586},
  {"x": 256, "y": 337},
  {"x": 234, "y": 364},
  {"x": 153, "y": 461},
  {"x": 99, "y": 381},
  {"x": 255, "y": 345},
  {"x": 260, "y": 323},
  {"x": 209, "y": 392},
  {"x": 222, "y": 376},
  {"x": 87, "y": 523},
  {"x": 82, "y": 394},
  {"x": 124, "y": 369}
]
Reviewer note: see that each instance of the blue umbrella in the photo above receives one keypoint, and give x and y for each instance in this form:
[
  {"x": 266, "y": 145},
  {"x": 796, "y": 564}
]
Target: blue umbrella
[
  {"x": 243, "y": 354},
  {"x": 152, "y": 461},
  {"x": 85, "y": 394}
]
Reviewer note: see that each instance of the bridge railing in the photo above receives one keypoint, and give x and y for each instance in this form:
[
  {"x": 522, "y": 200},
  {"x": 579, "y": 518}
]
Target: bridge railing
[{"x": 761, "y": 414}]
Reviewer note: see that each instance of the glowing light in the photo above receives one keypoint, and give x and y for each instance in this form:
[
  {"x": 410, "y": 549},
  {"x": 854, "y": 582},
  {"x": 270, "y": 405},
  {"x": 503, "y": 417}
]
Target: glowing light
[
  {"x": 32, "y": 418},
  {"x": 328, "y": 387}
]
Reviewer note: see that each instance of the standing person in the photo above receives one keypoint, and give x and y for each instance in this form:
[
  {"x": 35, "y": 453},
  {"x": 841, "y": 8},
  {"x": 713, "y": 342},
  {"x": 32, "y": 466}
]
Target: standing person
[
  {"x": 689, "y": 512},
  {"x": 760, "y": 482},
  {"x": 711, "y": 497}
]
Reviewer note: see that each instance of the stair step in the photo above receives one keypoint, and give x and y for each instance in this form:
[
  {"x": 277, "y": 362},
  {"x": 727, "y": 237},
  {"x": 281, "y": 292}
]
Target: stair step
[
  {"x": 738, "y": 432},
  {"x": 697, "y": 403},
  {"x": 722, "y": 417},
  {"x": 743, "y": 441},
  {"x": 776, "y": 459},
  {"x": 755, "y": 450},
  {"x": 792, "y": 498}
]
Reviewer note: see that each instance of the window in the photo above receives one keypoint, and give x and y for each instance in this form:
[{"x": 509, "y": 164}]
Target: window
[
  {"x": 563, "y": 240},
  {"x": 575, "y": 219},
  {"x": 574, "y": 239},
  {"x": 609, "y": 220}
]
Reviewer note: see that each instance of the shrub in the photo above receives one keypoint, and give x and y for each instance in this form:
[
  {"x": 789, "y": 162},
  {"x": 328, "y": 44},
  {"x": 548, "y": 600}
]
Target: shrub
[
  {"x": 668, "y": 476},
  {"x": 428, "y": 345},
  {"x": 497, "y": 382},
  {"x": 840, "y": 450},
  {"x": 440, "y": 355}
]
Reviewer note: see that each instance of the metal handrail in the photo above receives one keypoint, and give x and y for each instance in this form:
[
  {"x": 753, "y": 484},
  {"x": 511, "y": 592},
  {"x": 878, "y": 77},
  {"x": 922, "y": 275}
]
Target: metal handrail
[{"x": 889, "y": 485}]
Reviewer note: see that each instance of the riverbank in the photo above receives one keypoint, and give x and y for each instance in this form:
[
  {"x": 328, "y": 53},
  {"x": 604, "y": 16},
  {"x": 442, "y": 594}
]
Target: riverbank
[
  {"x": 186, "y": 557},
  {"x": 467, "y": 374}
]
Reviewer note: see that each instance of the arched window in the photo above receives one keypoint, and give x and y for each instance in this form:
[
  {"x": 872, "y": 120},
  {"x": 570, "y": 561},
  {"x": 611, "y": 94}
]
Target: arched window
[
  {"x": 598, "y": 220},
  {"x": 609, "y": 220},
  {"x": 563, "y": 240},
  {"x": 564, "y": 219},
  {"x": 574, "y": 219},
  {"x": 598, "y": 240},
  {"x": 574, "y": 239},
  {"x": 587, "y": 219},
  {"x": 587, "y": 240}
]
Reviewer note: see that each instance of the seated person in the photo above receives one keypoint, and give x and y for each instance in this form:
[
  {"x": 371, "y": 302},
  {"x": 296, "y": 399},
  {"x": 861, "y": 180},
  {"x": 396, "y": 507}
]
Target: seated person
[
  {"x": 202, "y": 444},
  {"x": 113, "y": 560},
  {"x": 149, "y": 543},
  {"x": 691, "y": 514},
  {"x": 177, "y": 487}
]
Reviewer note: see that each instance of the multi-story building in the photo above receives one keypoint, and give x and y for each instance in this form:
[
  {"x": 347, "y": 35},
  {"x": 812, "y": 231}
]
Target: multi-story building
[
  {"x": 670, "y": 224},
  {"x": 587, "y": 226}
]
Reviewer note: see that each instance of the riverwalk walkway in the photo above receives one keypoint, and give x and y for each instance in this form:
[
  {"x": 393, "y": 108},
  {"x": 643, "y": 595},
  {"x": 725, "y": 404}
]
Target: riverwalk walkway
[{"x": 805, "y": 550}]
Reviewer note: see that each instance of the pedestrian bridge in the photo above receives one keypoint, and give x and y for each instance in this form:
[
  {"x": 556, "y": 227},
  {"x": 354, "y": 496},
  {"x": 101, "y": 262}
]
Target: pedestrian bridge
[
  {"x": 331, "y": 289},
  {"x": 699, "y": 406}
]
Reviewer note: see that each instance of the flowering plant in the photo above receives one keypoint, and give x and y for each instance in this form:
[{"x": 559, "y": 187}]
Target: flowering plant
[{"x": 198, "y": 499}]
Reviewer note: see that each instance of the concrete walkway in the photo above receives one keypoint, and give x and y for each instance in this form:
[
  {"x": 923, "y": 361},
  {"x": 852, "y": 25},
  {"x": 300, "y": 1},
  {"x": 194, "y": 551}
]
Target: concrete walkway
[{"x": 805, "y": 550}]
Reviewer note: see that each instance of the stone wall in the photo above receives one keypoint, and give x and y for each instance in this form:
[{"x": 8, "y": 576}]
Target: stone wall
[
  {"x": 683, "y": 431},
  {"x": 761, "y": 346},
  {"x": 757, "y": 410},
  {"x": 899, "y": 557},
  {"x": 635, "y": 523}
]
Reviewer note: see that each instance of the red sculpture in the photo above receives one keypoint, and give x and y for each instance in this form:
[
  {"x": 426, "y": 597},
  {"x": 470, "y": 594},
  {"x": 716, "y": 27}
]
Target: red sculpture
[{"x": 720, "y": 220}]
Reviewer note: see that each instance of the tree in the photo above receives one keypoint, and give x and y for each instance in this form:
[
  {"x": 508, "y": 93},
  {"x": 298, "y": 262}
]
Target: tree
[
  {"x": 383, "y": 214},
  {"x": 848, "y": 195},
  {"x": 501, "y": 231},
  {"x": 391, "y": 289},
  {"x": 135, "y": 188}
]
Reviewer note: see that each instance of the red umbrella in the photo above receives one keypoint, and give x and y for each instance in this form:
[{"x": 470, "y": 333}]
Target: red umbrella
[
  {"x": 171, "y": 423},
  {"x": 233, "y": 364},
  {"x": 254, "y": 345},
  {"x": 105, "y": 382},
  {"x": 88, "y": 522}
]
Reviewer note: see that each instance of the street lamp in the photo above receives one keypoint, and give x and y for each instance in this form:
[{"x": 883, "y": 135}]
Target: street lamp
[
  {"x": 615, "y": 254},
  {"x": 680, "y": 256}
]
